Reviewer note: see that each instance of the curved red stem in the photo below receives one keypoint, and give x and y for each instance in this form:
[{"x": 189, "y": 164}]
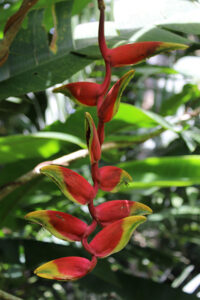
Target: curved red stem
[
  {"x": 101, "y": 35},
  {"x": 107, "y": 79}
]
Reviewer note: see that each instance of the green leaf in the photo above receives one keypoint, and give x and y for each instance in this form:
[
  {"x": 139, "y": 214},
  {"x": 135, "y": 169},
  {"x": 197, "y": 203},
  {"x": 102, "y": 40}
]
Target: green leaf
[
  {"x": 79, "y": 5},
  {"x": 163, "y": 171},
  {"x": 128, "y": 117},
  {"x": 40, "y": 145},
  {"x": 149, "y": 70},
  {"x": 136, "y": 117},
  {"x": 132, "y": 285},
  {"x": 32, "y": 66},
  {"x": 158, "y": 34}
]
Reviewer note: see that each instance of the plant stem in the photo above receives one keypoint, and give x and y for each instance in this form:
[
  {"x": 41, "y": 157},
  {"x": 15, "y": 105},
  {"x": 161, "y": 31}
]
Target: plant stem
[{"x": 7, "y": 296}]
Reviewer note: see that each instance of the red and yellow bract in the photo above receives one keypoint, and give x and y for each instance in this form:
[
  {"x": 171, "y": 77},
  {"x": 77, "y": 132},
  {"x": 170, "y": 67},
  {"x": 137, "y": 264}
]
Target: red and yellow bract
[
  {"x": 109, "y": 212},
  {"x": 62, "y": 225},
  {"x": 119, "y": 218},
  {"x": 110, "y": 105},
  {"x": 74, "y": 186},
  {"x": 131, "y": 54},
  {"x": 66, "y": 268},
  {"x": 114, "y": 237},
  {"x": 113, "y": 178},
  {"x": 85, "y": 93},
  {"x": 92, "y": 139}
]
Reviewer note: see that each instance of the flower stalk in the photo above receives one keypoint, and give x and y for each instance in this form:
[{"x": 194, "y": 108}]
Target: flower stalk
[{"x": 118, "y": 218}]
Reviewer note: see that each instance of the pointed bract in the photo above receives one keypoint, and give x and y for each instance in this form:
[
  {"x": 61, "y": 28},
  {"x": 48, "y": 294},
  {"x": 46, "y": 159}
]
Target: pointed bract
[
  {"x": 66, "y": 268},
  {"x": 111, "y": 103},
  {"x": 92, "y": 139},
  {"x": 74, "y": 186},
  {"x": 113, "y": 178},
  {"x": 85, "y": 93},
  {"x": 109, "y": 212},
  {"x": 62, "y": 225},
  {"x": 115, "y": 236},
  {"x": 131, "y": 54}
]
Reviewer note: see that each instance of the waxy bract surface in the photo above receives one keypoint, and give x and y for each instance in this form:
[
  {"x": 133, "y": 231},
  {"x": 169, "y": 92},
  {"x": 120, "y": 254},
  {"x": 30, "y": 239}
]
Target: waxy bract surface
[
  {"x": 74, "y": 186},
  {"x": 65, "y": 268},
  {"x": 115, "y": 236},
  {"x": 109, "y": 212},
  {"x": 62, "y": 225},
  {"x": 131, "y": 54},
  {"x": 113, "y": 178}
]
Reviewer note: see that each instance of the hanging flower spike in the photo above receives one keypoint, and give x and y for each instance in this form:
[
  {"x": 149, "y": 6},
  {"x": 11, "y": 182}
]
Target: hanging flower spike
[
  {"x": 62, "y": 225},
  {"x": 112, "y": 178},
  {"x": 66, "y": 268},
  {"x": 114, "y": 237},
  {"x": 109, "y": 212},
  {"x": 84, "y": 93},
  {"x": 134, "y": 53},
  {"x": 74, "y": 186},
  {"x": 110, "y": 105},
  {"x": 92, "y": 139}
]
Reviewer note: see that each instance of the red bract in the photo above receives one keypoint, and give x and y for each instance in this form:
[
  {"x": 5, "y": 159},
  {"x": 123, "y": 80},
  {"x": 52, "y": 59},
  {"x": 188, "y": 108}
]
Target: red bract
[
  {"x": 62, "y": 225},
  {"x": 115, "y": 236},
  {"x": 113, "y": 178},
  {"x": 118, "y": 217},
  {"x": 92, "y": 139},
  {"x": 85, "y": 93},
  {"x": 111, "y": 103},
  {"x": 66, "y": 268},
  {"x": 134, "y": 53},
  {"x": 73, "y": 185},
  {"x": 109, "y": 212}
]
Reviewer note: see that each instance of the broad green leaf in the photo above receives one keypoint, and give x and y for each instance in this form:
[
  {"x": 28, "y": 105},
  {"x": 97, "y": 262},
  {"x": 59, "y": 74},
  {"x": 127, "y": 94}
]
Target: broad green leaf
[
  {"x": 42, "y": 144},
  {"x": 14, "y": 6},
  {"x": 163, "y": 171},
  {"x": 189, "y": 27},
  {"x": 129, "y": 117},
  {"x": 158, "y": 34},
  {"x": 132, "y": 285},
  {"x": 32, "y": 66},
  {"x": 137, "y": 117},
  {"x": 79, "y": 5}
]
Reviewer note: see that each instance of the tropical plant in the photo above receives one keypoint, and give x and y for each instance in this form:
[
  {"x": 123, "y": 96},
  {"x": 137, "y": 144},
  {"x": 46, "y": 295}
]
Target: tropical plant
[{"x": 165, "y": 248}]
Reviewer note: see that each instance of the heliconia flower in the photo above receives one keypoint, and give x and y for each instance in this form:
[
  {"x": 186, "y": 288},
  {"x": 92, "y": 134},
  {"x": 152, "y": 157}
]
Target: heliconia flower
[
  {"x": 92, "y": 139},
  {"x": 62, "y": 225},
  {"x": 115, "y": 236},
  {"x": 111, "y": 103},
  {"x": 66, "y": 268},
  {"x": 85, "y": 93},
  {"x": 109, "y": 212},
  {"x": 74, "y": 186},
  {"x": 134, "y": 53},
  {"x": 112, "y": 178}
]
